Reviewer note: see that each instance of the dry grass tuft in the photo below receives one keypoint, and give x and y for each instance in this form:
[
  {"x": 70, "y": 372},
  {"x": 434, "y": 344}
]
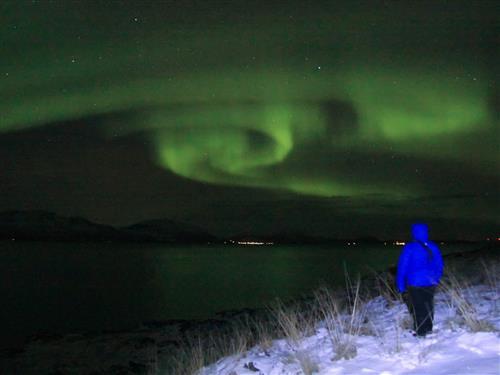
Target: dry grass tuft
[
  {"x": 342, "y": 325},
  {"x": 466, "y": 314},
  {"x": 293, "y": 323},
  {"x": 307, "y": 364}
]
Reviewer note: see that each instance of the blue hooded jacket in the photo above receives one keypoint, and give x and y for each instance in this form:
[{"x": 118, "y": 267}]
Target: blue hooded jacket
[{"x": 420, "y": 262}]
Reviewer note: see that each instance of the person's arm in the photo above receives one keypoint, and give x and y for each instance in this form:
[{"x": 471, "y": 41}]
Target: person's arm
[{"x": 404, "y": 260}]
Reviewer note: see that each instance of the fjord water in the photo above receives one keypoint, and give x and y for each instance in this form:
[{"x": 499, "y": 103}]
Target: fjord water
[{"x": 74, "y": 287}]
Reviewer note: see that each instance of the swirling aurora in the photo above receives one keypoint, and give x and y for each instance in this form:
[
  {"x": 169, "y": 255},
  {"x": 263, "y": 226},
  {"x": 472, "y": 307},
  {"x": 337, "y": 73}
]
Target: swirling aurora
[{"x": 322, "y": 101}]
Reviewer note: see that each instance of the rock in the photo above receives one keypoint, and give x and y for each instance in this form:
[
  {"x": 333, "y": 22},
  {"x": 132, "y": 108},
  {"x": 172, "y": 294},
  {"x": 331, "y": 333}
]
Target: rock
[{"x": 251, "y": 367}]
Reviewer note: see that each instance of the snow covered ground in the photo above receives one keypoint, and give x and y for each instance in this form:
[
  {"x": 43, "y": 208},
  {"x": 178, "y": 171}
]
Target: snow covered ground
[{"x": 384, "y": 347}]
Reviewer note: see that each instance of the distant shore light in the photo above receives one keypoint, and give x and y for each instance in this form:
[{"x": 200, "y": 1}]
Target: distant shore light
[{"x": 254, "y": 243}]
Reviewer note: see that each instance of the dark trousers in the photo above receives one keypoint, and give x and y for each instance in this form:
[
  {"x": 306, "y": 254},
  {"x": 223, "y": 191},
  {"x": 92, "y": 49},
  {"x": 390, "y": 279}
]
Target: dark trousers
[{"x": 421, "y": 307}]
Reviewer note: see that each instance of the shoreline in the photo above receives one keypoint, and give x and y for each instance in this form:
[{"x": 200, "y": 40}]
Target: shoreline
[{"x": 133, "y": 348}]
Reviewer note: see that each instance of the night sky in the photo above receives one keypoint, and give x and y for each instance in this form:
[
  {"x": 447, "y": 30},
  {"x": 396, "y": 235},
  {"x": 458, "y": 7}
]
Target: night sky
[{"x": 325, "y": 118}]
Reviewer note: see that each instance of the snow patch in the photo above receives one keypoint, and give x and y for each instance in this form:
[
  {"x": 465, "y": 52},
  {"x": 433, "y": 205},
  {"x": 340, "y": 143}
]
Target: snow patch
[{"x": 384, "y": 347}]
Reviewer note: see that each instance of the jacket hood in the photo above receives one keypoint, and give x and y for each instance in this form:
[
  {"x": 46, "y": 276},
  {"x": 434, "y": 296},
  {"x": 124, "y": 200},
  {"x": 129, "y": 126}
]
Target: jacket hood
[{"x": 420, "y": 232}]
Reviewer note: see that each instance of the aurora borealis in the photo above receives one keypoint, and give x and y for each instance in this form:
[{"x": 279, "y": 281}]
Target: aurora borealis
[{"x": 344, "y": 110}]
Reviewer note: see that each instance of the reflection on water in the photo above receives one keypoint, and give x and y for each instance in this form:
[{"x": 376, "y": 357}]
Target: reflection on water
[{"x": 68, "y": 287}]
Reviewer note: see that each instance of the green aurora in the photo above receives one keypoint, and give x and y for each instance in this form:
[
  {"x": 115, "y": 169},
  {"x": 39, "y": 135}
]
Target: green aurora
[{"x": 262, "y": 101}]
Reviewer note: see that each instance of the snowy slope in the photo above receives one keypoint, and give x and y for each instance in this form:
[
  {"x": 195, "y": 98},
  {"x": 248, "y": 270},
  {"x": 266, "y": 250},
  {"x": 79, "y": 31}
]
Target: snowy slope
[{"x": 383, "y": 347}]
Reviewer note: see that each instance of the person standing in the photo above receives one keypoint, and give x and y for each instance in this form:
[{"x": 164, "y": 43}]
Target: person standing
[{"x": 420, "y": 268}]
